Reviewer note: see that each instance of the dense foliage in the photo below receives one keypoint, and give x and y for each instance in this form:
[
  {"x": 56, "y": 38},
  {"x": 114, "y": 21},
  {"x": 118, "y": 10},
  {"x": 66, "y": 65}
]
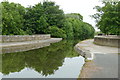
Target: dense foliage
[
  {"x": 12, "y": 18},
  {"x": 108, "y": 17},
  {"x": 43, "y": 18},
  {"x": 77, "y": 29}
]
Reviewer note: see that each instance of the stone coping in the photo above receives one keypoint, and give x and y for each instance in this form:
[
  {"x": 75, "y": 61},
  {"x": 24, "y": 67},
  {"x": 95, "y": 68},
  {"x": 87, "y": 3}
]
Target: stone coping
[
  {"x": 109, "y": 37},
  {"x": 107, "y": 40},
  {"x": 21, "y": 38}
]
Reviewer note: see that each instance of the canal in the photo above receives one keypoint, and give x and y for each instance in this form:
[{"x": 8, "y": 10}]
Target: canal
[{"x": 59, "y": 60}]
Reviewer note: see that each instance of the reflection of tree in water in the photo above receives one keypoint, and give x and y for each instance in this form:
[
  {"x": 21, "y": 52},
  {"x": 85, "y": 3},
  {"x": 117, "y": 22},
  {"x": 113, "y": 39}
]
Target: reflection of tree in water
[
  {"x": 0, "y": 61},
  {"x": 45, "y": 60}
]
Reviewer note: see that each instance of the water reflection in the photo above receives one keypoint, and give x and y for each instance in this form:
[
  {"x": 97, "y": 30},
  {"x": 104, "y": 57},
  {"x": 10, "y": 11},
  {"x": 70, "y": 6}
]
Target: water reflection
[{"x": 45, "y": 61}]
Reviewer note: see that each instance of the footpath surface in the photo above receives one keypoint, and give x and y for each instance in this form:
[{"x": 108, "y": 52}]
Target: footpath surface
[
  {"x": 103, "y": 60},
  {"x": 26, "y": 45}
]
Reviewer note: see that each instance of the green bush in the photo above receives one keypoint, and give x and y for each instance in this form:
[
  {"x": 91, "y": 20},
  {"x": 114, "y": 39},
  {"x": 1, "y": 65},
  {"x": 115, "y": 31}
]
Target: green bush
[{"x": 56, "y": 32}]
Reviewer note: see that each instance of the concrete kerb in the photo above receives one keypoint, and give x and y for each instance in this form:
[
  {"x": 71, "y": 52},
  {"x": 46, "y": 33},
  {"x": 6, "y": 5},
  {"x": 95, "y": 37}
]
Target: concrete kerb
[
  {"x": 27, "y": 45},
  {"x": 88, "y": 49},
  {"x": 84, "y": 52}
]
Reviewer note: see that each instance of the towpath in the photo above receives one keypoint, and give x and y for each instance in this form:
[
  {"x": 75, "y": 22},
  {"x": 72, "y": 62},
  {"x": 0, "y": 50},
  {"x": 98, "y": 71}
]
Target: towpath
[{"x": 103, "y": 60}]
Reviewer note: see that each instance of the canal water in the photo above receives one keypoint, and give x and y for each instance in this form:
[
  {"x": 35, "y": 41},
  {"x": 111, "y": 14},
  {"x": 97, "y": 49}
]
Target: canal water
[{"x": 59, "y": 60}]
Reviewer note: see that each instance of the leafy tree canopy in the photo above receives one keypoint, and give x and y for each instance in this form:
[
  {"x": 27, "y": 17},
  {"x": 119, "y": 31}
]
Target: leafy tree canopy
[
  {"x": 108, "y": 17},
  {"x": 43, "y": 18}
]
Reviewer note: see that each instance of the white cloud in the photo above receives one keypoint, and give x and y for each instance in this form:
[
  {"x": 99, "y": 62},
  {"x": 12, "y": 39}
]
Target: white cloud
[{"x": 84, "y": 7}]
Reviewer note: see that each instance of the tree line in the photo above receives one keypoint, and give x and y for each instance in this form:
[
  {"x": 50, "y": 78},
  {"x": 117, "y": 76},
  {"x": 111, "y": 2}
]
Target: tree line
[{"x": 43, "y": 18}]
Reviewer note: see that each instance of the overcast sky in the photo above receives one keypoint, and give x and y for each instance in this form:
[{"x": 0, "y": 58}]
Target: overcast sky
[{"x": 84, "y": 7}]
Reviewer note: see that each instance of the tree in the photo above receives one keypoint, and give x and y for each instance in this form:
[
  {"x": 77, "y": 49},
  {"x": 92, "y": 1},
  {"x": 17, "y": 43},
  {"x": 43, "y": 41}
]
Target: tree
[
  {"x": 54, "y": 15},
  {"x": 34, "y": 18},
  {"x": 108, "y": 17},
  {"x": 68, "y": 28},
  {"x": 75, "y": 15},
  {"x": 75, "y": 28},
  {"x": 12, "y": 19},
  {"x": 0, "y": 19},
  {"x": 41, "y": 16},
  {"x": 56, "y": 32}
]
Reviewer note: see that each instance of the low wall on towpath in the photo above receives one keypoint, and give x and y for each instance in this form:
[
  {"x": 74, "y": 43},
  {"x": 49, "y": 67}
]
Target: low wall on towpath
[
  {"x": 21, "y": 38},
  {"x": 110, "y": 40},
  {"x": 18, "y": 43}
]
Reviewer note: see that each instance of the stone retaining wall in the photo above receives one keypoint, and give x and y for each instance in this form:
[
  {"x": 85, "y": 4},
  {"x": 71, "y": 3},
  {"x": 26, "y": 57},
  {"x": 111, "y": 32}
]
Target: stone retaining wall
[
  {"x": 113, "y": 41},
  {"x": 21, "y": 38}
]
